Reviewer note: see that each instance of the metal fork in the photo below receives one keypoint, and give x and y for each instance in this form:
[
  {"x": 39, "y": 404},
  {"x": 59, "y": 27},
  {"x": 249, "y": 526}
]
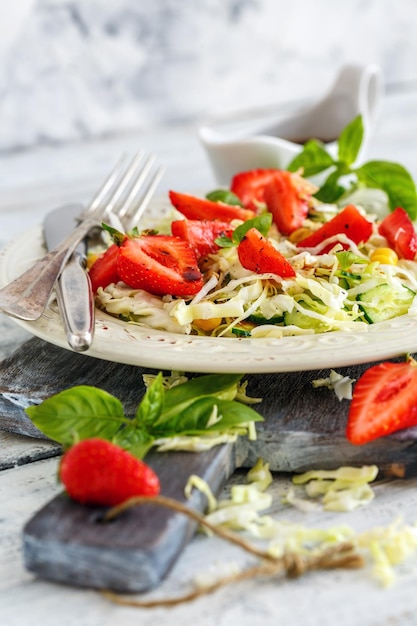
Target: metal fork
[{"x": 123, "y": 194}]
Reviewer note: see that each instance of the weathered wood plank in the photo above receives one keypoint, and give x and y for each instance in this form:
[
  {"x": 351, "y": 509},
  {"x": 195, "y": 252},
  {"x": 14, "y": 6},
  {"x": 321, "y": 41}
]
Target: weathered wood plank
[
  {"x": 303, "y": 428},
  {"x": 18, "y": 450},
  {"x": 67, "y": 542}
]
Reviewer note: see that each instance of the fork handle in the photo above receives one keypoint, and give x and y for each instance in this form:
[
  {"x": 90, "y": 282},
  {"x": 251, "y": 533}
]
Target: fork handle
[
  {"x": 27, "y": 296},
  {"x": 76, "y": 303}
]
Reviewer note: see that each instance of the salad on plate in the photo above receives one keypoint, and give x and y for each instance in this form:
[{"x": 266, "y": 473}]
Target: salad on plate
[{"x": 322, "y": 246}]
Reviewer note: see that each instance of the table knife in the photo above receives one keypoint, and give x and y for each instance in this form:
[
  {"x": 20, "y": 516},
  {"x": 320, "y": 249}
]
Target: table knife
[{"x": 73, "y": 287}]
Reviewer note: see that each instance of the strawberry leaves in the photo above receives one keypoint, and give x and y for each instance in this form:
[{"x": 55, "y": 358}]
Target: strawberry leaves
[
  {"x": 343, "y": 177},
  {"x": 200, "y": 405}
]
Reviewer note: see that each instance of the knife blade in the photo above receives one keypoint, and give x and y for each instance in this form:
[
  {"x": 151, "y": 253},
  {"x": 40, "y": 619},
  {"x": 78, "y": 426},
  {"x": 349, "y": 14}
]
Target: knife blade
[{"x": 73, "y": 287}]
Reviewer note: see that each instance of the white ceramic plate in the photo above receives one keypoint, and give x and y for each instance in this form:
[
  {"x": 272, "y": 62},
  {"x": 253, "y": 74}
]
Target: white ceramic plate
[{"x": 127, "y": 343}]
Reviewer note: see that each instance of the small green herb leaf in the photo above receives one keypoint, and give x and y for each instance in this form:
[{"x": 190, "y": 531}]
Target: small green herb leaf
[
  {"x": 260, "y": 222},
  {"x": 233, "y": 414},
  {"x": 191, "y": 420},
  {"x": 138, "y": 441},
  {"x": 331, "y": 190},
  {"x": 178, "y": 398},
  {"x": 78, "y": 413},
  {"x": 152, "y": 403},
  {"x": 395, "y": 180},
  {"x": 313, "y": 159},
  {"x": 350, "y": 141},
  {"x": 224, "y": 195},
  {"x": 225, "y": 242}
]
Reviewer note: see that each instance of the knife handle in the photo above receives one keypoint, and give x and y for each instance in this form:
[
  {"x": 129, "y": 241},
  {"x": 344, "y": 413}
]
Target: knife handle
[{"x": 76, "y": 303}]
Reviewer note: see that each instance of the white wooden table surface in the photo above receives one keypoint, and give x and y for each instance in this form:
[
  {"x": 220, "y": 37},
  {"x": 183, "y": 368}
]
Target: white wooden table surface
[{"x": 32, "y": 183}]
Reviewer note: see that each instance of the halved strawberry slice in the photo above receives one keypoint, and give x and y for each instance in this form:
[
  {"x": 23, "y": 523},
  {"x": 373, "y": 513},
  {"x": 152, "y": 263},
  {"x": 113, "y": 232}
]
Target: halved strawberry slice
[
  {"x": 201, "y": 234},
  {"x": 288, "y": 207},
  {"x": 398, "y": 230},
  {"x": 256, "y": 253},
  {"x": 159, "y": 264},
  {"x": 202, "y": 209},
  {"x": 384, "y": 401},
  {"x": 104, "y": 269},
  {"x": 349, "y": 221},
  {"x": 249, "y": 186}
]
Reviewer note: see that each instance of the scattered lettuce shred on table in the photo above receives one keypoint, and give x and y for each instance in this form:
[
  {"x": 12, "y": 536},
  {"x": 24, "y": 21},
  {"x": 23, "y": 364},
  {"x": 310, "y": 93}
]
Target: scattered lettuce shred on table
[
  {"x": 341, "y": 385},
  {"x": 246, "y": 510}
]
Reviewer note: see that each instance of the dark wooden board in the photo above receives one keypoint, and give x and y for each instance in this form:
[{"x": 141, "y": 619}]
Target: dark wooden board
[
  {"x": 303, "y": 429},
  {"x": 67, "y": 542}
]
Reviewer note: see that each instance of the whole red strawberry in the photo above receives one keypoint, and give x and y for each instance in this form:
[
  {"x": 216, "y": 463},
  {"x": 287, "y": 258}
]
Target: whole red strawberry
[{"x": 96, "y": 471}]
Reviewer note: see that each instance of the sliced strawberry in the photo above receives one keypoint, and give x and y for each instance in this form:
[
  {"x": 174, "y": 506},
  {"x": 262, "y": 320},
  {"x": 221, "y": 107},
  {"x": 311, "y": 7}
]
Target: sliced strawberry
[
  {"x": 201, "y": 234},
  {"x": 289, "y": 209},
  {"x": 384, "y": 401},
  {"x": 159, "y": 264},
  {"x": 96, "y": 471},
  {"x": 103, "y": 272},
  {"x": 349, "y": 221},
  {"x": 398, "y": 230},
  {"x": 202, "y": 209},
  {"x": 258, "y": 254},
  {"x": 249, "y": 186}
]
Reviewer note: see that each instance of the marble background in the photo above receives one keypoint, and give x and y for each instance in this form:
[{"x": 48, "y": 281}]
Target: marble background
[{"x": 76, "y": 69}]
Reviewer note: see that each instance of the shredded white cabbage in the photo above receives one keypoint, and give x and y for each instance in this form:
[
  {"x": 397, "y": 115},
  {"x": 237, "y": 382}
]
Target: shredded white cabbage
[
  {"x": 341, "y": 385},
  {"x": 246, "y": 509},
  {"x": 326, "y": 294}
]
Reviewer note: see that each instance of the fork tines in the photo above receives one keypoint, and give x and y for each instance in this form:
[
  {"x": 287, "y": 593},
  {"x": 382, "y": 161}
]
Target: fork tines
[{"x": 127, "y": 191}]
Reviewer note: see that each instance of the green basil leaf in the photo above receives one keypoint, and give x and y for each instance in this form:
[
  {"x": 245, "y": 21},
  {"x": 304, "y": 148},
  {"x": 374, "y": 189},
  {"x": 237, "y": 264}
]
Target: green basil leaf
[
  {"x": 136, "y": 440},
  {"x": 152, "y": 402},
  {"x": 224, "y": 195},
  {"x": 260, "y": 222},
  {"x": 395, "y": 180},
  {"x": 331, "y": 190},
  {"x": 194, "y": 419},
  {"x": 78, "y": 413},
  {"x": 191, "y": 419},
  {"x": 312, "y": 159},
  {"x": 178, "y": 398},
  {"x": 224, "y": 242},
  {"x": 234, "y": 413},
  {"x": 350, "y": 141}
]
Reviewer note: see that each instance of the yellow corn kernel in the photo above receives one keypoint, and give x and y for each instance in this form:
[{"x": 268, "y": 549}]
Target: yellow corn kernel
[
  {"x": 299, "y": 234},
  {"x": 208, "y": 325},
  {"x": 385, "y": 256}
]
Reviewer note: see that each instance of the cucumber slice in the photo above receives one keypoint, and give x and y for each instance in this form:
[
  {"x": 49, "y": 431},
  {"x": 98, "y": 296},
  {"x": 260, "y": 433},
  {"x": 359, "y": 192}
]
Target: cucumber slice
[
  {"x": 383, "y": 303},
  {"x": 295, "y": 318},
  {"x": 259, "y": 319},
  {"x": 243, "y": 329}
]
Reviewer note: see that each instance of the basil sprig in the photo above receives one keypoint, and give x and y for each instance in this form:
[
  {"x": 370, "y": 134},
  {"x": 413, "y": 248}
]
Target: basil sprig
[
  {"x": 260, "y": 222},
  {"x": 224, "y": 195},
  {"x": 343, "y": 177},
  {"x": 188, "y": 408}
]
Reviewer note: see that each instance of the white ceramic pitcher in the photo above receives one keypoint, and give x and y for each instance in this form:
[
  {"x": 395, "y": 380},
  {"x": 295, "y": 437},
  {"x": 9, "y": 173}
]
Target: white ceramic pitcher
[{"x": 234, "y": 146}]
